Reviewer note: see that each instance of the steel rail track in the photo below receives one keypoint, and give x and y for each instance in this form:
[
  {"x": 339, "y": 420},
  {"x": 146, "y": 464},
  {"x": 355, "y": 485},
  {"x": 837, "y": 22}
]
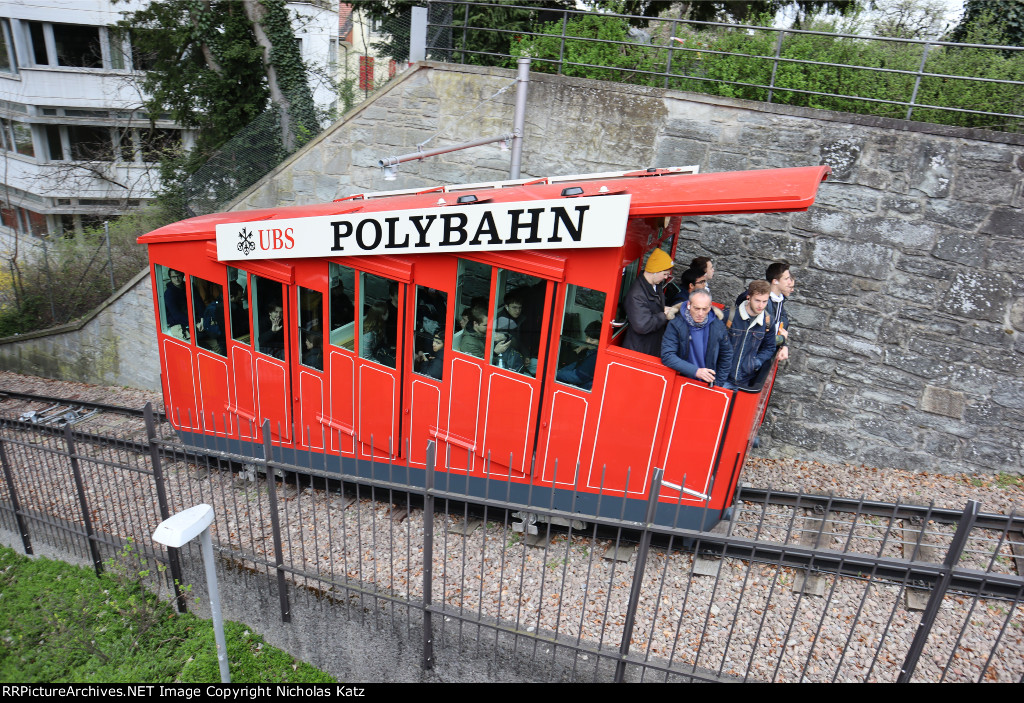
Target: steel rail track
[
  {"x": 793, "y": 556},
  {"x": 748, "y": 494},
  {"x": 118, "y": 409},
  {"x": 987, "y": 521}
]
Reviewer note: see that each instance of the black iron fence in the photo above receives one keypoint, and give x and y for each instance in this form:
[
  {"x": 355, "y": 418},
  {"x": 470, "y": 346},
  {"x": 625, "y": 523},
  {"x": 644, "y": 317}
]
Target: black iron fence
[
  {"x": 792, "y": 588},
  {"x": 966, "y": 84}
]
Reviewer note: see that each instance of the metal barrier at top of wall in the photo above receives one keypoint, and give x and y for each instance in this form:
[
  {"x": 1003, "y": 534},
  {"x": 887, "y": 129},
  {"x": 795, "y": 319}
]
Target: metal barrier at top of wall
[{"x": 971, "y": 85}]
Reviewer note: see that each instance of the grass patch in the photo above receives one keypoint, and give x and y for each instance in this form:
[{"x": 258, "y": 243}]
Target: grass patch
[{"x": 62, "y": 624}]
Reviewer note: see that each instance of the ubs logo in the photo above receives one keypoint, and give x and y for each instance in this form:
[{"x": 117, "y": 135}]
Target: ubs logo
[{"x": 246, "y": 245}]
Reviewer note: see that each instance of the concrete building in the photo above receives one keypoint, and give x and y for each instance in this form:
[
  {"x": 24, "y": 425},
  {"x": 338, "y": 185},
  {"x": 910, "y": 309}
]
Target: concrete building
[
  {"x": 360, "y": 66},
  {"x": 77, "y": 145}
]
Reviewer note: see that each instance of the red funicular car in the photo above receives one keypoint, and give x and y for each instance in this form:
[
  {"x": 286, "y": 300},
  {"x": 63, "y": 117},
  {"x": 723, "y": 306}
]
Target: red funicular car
[{"x": 366, "y": 327}]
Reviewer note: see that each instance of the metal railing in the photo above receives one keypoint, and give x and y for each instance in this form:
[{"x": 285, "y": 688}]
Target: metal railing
[
  {"x": 797, "y": 588},
  {"x": 928, "y": 80}
]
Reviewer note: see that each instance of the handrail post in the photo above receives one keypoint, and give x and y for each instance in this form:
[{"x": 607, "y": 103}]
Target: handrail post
[
  {"x": 917, "y": 81},
  {"x": 956, "y": 548},
  {"x": 161, "y": 499},
  {"x": 638, "y": 576},
  {"x": 275, "y": 523},
  {"x": 775, "y": 63},
  {"x": 18, "y": 517},
  {"x": 561, "y": 48},
  {"x": 76, "y": 472},
  {"x": 428, "y": 556}
]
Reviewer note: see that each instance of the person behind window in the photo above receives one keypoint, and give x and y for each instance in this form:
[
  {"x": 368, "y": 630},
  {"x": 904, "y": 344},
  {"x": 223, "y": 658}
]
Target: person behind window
[
  {"x": 342, "y": 309},
  {"x": 432, "y": 363},
  {"x": 210, "y": 327},
  {"x": 508, "y": 317},
  {"x": 391, "y": 329},
  {"x": 239, "y": 310},
  {"x": 506, "y": 356},
  {"x": 175, "y": 305},
  {"x": 581, "y": 372},
  {"x": 474, "y": 336},
  {"x": 313, "y": 350},
  {"x": 272, "y": 337},
  {"x": 374, "y": 344}
]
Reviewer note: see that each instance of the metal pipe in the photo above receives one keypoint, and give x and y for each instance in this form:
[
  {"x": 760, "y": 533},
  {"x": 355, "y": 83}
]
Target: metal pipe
[
  {"x": 416, "y": 155},
  {"x": 519, "y": 121}
]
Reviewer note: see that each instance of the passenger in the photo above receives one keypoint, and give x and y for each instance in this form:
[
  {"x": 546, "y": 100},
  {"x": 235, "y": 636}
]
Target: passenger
[
  {"x": 689, "y": 281},
  {"x": 239, "y": 310},
  {"x": 373, "y": 342},
  {"x": 210, "y": 326},
  {"x": 271, "y": 341},
  {"x": 342, "y": 309},
  {"x": 175, "y": 305},
  {"x": 696, "y": 343},
  {"x": 474, "y": 336},
  {"x": 391, "y": 330},
  {"x": 749, "y": 326},
  {"x": 506, "y": 356},
  {"x": 693, "y": 280},
  {"x": 430, "y": 309},
  {"x": 783, "y": 283},
  {"x": 645, "y": 306},
  {"x": 432, "y": 364},
  {"x": 581, "y": 372},
  {"x": 313, "y": 350},
  {"x": 509, "y": 316},
  {"x": 703, "y": 264}
]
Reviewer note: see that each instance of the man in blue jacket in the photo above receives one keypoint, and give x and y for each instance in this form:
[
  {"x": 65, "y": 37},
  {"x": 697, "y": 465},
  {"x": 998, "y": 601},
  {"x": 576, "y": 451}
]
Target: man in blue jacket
[
  {"x": 696, "y": 343},
  {"x": 750, "y": 333}
]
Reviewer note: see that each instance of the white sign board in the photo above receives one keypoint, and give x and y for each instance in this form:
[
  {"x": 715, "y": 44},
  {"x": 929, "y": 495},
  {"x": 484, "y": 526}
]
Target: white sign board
[{"x": 565, "y": 223}]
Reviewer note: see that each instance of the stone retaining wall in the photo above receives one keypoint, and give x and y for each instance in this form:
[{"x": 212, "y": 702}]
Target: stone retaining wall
[
  {"x": 908, "y": 319},
  {"x": 114, "y": 345}
]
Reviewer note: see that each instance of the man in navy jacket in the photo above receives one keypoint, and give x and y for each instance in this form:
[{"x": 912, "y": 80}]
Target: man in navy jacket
[
  {"x": 750, "y": 332},
  {"x": 696, "y": 343}
]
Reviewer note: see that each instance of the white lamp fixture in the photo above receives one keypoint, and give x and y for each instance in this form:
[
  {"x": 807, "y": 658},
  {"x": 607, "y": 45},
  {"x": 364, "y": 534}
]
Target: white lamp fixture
[{"x": 177, "y": 531}]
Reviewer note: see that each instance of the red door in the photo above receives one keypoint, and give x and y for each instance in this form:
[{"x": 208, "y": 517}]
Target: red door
[
  {"x": 309, "y": 299},
  {"x": 272, "y": 336}
]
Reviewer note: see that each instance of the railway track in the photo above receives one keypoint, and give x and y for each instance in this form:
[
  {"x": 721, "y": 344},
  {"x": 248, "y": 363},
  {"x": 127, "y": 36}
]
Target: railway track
[{"x": 887, "y": 532}]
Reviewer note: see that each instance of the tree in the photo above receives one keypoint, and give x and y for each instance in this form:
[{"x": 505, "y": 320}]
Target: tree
[
  {"x": 215, "y": 65},
  {"x": 1001, "y": 20},
  {"x": 909, "y": 19}
]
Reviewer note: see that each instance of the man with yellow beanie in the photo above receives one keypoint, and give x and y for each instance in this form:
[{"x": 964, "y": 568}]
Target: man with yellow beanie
[{"x": 645, "y": 306}]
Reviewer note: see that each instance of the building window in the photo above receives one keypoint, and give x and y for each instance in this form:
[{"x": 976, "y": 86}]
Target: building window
[
  {"x": 89, "y": 143},
  {"x": 157, "y": 144},
  {"x": 8, "y": 59},
  {"x": 38, "y": 36},
  {"x": 77, "y": 45},
  {"x": 54, "y": 143},
  {"x": 17, "y": 137},
  {"x": 23, "y": 220},
  {"x": 365, "y": 73}
]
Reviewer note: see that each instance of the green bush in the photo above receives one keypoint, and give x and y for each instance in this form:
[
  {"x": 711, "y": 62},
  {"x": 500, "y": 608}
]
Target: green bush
[
  {"x": 72, "y": 276},
  {"x": 738, "y": 63}
]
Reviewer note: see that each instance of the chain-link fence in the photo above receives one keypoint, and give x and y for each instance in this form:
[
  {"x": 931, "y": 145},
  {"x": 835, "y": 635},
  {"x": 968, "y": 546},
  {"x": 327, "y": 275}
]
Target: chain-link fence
[{"x": 977, "y": 83}]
